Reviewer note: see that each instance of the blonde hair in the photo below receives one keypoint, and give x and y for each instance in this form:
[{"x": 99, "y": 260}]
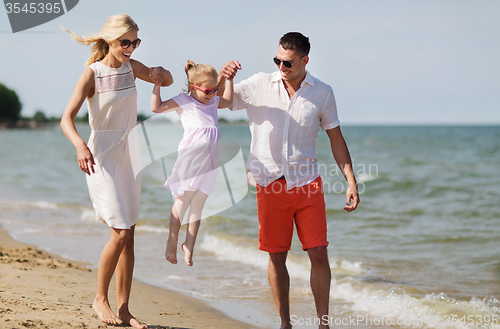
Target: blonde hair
[
  {"x": 197, "y": 73},
  {"x": 116, "y": 26}
]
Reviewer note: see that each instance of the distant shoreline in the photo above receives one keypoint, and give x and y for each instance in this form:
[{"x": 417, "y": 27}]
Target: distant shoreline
[
  {"x": 30, "y": 124},
  {"x": 25, "y": 124}
]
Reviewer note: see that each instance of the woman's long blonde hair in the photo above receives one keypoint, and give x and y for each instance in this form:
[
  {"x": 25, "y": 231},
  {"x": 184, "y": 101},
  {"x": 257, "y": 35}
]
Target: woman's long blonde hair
[
  {"x": 197, "y": 73},
  {"x": 116, "y": 26}
]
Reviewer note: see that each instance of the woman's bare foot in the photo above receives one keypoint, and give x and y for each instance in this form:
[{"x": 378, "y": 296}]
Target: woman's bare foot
[
  {"x": 104, "y": 312},
  {"x": 188, "y": 255},
  {"x": 128, "y": 319},
  {"x": 171, "y": 252}
]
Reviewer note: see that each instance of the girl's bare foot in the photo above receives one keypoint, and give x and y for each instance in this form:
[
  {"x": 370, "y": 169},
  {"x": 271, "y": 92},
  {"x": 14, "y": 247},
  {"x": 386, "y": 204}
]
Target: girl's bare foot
[
  {"x": 171, "y": 252},
  {"x": 128, "y": 319},
  {"x": 104, "y": 312},
  {"x": 188, "y": 255}
]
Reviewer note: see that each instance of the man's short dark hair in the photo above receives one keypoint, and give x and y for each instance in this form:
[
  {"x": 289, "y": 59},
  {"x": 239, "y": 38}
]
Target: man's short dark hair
[{"x": 296, "y": 41}]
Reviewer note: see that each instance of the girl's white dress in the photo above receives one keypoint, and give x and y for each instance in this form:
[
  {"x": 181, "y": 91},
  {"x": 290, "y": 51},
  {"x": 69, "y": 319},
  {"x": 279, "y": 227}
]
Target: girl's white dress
[
  {"x": 197, "y": 161},
  {"x": 114, "y": 189}
]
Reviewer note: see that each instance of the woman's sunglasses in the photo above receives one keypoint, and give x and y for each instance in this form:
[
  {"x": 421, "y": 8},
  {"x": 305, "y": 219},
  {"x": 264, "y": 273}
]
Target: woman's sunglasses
[
  {"x": 208, "y": 91},
  {"x": 288, "y": 64},
  {"x": 126, "y": 43}
]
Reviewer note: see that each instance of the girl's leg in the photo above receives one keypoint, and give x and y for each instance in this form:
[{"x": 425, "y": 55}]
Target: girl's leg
[
  {"x": 107, "y": 265},
  {"x": 176, "y": 216},
  {"x": 194, "y": 219},
  {"x": 124, "y": 275}
]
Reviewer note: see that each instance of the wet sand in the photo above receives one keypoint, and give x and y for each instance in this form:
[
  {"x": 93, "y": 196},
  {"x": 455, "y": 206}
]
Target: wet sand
[{"x": 42, "y": 290}]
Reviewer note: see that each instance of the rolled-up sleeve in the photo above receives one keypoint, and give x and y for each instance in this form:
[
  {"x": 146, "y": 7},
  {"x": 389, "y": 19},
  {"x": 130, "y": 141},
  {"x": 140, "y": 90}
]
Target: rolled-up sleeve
[
  {"x": 243, "y": 93},
  {"x": 329, "y": 118}
]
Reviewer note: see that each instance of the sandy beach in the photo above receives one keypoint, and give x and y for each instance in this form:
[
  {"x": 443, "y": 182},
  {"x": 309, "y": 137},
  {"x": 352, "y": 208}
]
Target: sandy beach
[{"x": 42, "y": 290}]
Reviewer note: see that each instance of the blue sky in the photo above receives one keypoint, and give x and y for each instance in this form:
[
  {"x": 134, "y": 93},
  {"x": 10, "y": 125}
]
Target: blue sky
[{"x": 388, "y": 61}]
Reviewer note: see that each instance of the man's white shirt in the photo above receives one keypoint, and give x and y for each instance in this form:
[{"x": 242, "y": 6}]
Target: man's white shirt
[{"x": 284, "y": 130}]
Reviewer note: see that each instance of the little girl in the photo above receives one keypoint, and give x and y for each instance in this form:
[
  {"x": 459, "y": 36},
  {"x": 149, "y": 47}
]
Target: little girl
[{"x": 195, "y": 171}]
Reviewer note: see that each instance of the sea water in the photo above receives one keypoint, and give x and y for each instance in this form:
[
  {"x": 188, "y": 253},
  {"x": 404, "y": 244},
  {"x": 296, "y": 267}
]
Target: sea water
[{"x": 421, "y": 251}]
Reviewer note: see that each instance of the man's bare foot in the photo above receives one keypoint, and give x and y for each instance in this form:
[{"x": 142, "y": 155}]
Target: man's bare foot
[
  {"x": 171, "y": 252},
  {"x": 104, "y": 312},
  {"x": 188, "y": 255},
  {"x": 128, "y": 319}
]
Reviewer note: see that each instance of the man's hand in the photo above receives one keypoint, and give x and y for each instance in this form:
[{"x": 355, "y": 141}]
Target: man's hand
[
  {"x": 228, "y": 71},
  {"x": 352, "y": 197}
]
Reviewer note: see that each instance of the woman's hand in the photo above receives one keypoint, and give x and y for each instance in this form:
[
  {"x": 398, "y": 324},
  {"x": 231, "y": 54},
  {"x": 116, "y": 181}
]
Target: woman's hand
[
  {"x": 156, "y": 75},
  {"x": 85, "y": 159},
  {"x": 160, "y": 76}
]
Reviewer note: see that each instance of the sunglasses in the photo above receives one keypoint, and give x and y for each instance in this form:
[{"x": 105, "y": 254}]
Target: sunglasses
[
  {"x": 208, "y": 91},
  {"x": 126, "y": 43},
  {"x": 288, "y": 64}
]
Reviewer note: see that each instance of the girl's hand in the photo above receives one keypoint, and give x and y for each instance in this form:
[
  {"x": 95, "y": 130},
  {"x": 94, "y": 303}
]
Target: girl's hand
[
  {"x": 229, "y": 69},
  {"x": 156, "y": 75},
  {"x": 85, "y": 159},
  {"x": 141, "y": 71}
]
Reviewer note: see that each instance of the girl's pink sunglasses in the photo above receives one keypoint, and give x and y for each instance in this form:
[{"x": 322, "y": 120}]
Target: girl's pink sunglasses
[{"x": 208, "y": 91}]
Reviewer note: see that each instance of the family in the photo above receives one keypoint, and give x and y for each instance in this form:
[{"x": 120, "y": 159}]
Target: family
[{"x": 285, "y": 110}]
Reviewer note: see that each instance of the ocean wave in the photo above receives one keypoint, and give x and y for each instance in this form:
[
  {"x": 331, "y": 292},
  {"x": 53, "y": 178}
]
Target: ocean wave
[
  {"x": 29, "y": 204},
  {"x": 364, "y": 178},
  {"x": 397, "y": 307},
  {"x": 153, "y": 229},
  {"x": 298, "y": 267},
  {"x": 45, "y": 205},
  {"x": 226, "y": 250},
  {"x": 347, "y": 267},
  {"x": 371, "y": 299},
  {"x": 88, "y": 215}
]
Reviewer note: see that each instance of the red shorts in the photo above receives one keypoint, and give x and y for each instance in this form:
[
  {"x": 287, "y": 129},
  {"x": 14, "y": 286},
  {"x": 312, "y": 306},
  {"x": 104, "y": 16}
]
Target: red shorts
[{"x": 278, "y": 208}]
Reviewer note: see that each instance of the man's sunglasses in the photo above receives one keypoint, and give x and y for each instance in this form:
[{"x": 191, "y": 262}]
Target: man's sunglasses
[
  {"x": 208, "y": 91},
  {"x": 126, "y": 43},
  {"x": 288, "y": 64}
]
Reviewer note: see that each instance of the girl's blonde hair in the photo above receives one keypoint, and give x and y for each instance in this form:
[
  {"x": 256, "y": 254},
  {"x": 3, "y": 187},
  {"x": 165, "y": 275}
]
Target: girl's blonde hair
[
  {"x": 116, "y": 26},
  {"x": 197, "y": 73}
]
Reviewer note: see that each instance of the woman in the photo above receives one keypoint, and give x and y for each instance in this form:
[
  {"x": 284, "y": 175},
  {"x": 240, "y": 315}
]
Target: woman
[{"x": 108, "y": 84}]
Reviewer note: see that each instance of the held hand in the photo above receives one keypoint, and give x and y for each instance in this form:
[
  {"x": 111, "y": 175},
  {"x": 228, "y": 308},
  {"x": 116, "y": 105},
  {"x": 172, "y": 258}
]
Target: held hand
[
  {"x": 85, "y": 159},
  {"x": 352, "y": 196},
  {"x": 229, "y": 69},
  {"x": 156, "y": 75},
  {"x": 251, "y": 179}
]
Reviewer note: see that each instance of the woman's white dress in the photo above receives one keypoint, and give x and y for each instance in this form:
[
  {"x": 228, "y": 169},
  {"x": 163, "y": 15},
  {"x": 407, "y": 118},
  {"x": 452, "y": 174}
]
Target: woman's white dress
[
  {"x": 197, "y": 161},
  {"x": 115, "y": 189}
]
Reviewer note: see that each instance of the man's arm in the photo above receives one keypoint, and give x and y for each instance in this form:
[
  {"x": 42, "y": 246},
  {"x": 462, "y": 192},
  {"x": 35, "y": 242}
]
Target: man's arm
[
  {"x": 343, "y": 158},
  {"x": 228, "y": 71}
]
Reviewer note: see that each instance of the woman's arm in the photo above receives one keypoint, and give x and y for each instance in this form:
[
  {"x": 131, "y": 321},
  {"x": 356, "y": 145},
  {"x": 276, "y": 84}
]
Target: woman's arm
[
  {"x": 227, "y": 98},
  {"x": 141, "y": 71},
  {"x": 85, "y": 87},
  {"x": 157, "y": 106}
]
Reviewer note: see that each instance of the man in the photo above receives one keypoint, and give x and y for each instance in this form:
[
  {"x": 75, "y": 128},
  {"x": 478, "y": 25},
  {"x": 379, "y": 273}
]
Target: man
[{"x": 286, "y": 110}]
